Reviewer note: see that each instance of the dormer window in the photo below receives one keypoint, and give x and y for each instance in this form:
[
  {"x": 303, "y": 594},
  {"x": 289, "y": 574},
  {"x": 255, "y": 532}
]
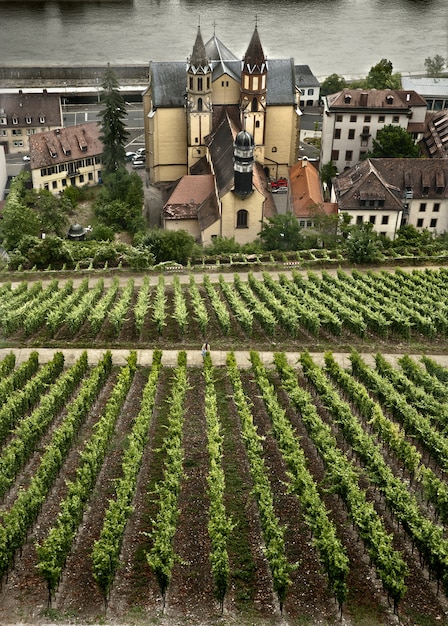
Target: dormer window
[
  {"x": 3, "y": 120},
  {"x": 347, "y": 99},
  {"x": 28, "y": 119},
  {"x": 42, "y": 119},
  {"x": 15, "y": 120},
  {"x": 389, "y": 99}
]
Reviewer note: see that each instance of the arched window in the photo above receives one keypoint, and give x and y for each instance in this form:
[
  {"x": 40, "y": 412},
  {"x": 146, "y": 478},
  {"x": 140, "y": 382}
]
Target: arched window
[
  {"x": 254, "y": 104},
  {"x": 242, "y": 219},
  {"x": 200, "y": 104}
]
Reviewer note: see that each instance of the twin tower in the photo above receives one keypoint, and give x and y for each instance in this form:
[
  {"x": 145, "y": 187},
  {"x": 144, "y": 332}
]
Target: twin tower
[{"x": 251, "y": 107}]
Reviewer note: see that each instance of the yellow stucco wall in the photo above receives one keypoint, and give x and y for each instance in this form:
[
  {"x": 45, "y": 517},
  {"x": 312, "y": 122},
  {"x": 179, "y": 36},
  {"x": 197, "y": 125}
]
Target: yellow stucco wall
[
  {"x": 226, "y": 90},
  {"x": 167, "y": 144},
  {"x": 280, "y": 139},
  {"x": 190, "y": 226},
  {"x": 231, "y": 204}
]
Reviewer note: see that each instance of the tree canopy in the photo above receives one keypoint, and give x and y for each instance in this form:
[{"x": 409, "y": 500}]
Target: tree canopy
[
  {"x": 394, "y": 142},
  {"x": 281, "y": 232},
  {"x": 435, "y": 65},
  {"x": 113, "y": 130},
  {"x": 332, "y": 84}
]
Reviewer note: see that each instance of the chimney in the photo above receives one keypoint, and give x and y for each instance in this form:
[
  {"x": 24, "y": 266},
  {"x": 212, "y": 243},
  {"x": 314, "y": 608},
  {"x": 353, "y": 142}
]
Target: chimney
[{"x": 363, "y": 99}]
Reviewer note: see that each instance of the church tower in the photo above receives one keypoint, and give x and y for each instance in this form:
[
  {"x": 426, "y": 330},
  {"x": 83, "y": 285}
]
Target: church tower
[
  {"x": 243, "y": 164},
  {"x": 198, "y": 100},
  {"x": 253, "y": 91}
]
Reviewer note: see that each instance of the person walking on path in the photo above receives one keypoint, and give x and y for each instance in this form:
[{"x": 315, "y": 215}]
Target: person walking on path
[{"x": 205, "y": 349}]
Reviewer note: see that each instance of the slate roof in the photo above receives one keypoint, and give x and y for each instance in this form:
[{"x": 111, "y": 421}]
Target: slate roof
[
  {"x": 420, "y": 174},
  {"x": 168, "y": 83},
  {"x": 281, "y": 83},
  {"x": 65, "y": 144},
  {"x": 365, "y": 182},
  {"x": 254, "y": 59},
  {"x": 36, "y": 106},
  {"x": 305, "y": 77},
  {"x": 388, "y": 179},
  {"x": 198, "y": 57}
]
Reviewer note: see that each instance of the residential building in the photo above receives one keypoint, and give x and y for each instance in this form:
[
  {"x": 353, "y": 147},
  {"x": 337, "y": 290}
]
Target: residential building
[
  {"x": 392, "y": 192},
  {"x": 353, "y": 117},
  {"x": 306, "y": 198},
  {"x": 184, "y": 104},
  {"x": 24, "y": 114},
  {"x": 66, "y": 157},
  {"x": 308, "y": 86}
]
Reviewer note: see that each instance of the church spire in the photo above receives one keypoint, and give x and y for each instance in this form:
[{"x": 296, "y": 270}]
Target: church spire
[
  {"x": 254, "y": 73},
  {"x": 254, "y": 59},
  {"x": 199, "y": 104},
  {"x": 198, "y": 60}
]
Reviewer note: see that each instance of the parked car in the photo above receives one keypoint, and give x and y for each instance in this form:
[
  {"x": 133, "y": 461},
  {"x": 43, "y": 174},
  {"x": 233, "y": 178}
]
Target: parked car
[
  {"x": 279, "y": 185},
  {"x": 26, "y": 158},
  {"x": 138, "y": 163},
  {"x": 130, "y": 156},
  {"x": 141, "y": 151}
]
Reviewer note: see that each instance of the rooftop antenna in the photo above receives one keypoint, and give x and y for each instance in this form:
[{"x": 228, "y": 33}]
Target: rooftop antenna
[{"x": 214, "y": 28}]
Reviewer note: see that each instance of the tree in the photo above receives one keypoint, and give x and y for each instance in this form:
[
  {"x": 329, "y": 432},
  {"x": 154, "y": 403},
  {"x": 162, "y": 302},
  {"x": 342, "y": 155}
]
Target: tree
[
  {"x": 380, "y": 76},
  {"x": 435, "y": 66},
  {"x": 169, "y": 245},
  {"x": 18, "y": 219},
  {"x": 327, "y": 173},
  {"x": 332, "y": 84},
  {"x": 113, "y": 131},
  {"x": 51, "y": 214},
  {"x": 394, "y": 142},
  {"x": 281, "y": 232},
  {"x": 325, "y": 225},
  {"x": 363, "y": 244},
  {"x": 120, "y": 203}
]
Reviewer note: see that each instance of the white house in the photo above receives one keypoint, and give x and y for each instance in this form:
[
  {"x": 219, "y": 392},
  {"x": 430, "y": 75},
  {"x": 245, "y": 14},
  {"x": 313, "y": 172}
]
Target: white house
[{"x": 352, "y": 118}]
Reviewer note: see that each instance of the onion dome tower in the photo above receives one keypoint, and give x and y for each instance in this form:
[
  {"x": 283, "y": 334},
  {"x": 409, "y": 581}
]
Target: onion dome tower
[
  {"x": 243, "y": 163},
  {"x": 198, "y": 100},
  {"x": 253, "y": 89}
]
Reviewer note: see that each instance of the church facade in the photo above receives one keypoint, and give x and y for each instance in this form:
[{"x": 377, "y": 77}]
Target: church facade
[
  {"x": 184, "y": 103},
  {"x": 236, "y": 120}
]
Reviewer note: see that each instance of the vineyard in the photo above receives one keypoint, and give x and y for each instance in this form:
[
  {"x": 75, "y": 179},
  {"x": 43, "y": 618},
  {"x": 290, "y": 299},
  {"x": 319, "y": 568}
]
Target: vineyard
[
  {"x": 342, "y": 308},
  {"x": 298, "y": 492}
]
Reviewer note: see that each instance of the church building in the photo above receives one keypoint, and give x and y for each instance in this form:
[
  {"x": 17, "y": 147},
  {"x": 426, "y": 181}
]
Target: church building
[{"x": 234, "y": 121}]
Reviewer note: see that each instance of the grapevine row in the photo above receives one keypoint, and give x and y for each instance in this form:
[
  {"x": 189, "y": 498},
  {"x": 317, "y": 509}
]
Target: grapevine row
[
  {"x": 17, "y": 521},
  {"x": 161, "y": 556},
  {"x": 219, "y": 525},
  {"x": 332, "y": 554},
  {"x": 273, "y": 532},
  {"x": 53, "y": 551},
  {"x": 425, "y": 535},
  {"x": 343, "y": 476},
  {"x": 106, "y": 550}
]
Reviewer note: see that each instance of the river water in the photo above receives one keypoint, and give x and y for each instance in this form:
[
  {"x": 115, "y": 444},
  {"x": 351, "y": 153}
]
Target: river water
[{"x": 345, "y": 37}]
